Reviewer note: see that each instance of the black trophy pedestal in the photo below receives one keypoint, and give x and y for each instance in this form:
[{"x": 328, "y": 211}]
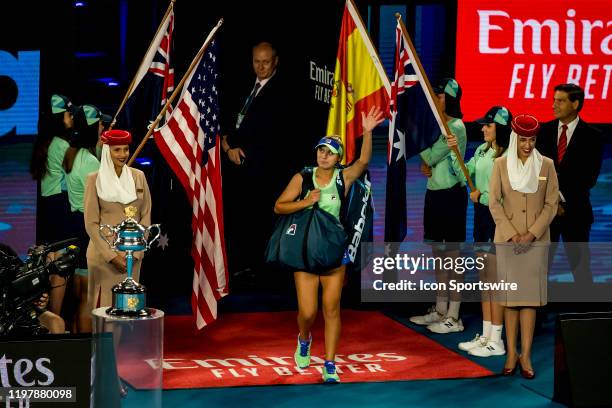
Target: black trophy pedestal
[{"x": 129, "y": 299}]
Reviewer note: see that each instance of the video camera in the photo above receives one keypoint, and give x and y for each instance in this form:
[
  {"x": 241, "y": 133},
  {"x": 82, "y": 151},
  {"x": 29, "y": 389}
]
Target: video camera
[{"x": 23, "y": 283}]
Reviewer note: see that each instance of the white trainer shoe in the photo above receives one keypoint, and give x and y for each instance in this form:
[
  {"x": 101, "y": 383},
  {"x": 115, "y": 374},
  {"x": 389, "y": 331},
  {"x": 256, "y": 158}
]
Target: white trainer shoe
[
  {"x": 432, "y": 316},
  {"x": 448, "y": 325},
  {"x": 491, "y": 348},
  {"x": 476, "y": 342}
]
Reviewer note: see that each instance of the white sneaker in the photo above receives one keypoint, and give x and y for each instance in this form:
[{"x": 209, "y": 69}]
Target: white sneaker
[
  {"x": 476, "y": 342},
  {"x": 432, "y": 316},
  {"x": 491, "y": 348},
  {"x": 448, "y": 325}
]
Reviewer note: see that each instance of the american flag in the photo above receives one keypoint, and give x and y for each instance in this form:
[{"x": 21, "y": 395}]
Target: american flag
[{"x": 190, "y": 142}]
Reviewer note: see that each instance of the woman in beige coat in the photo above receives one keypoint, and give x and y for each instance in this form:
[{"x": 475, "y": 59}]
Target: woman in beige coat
[
  {"x": 109, "y": 191},
  {"x": 523, "y": 198}
]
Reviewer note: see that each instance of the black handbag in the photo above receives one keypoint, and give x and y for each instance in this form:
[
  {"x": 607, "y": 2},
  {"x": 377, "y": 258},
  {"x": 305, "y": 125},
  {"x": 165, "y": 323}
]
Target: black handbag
[{"x": 310, "y": 240}]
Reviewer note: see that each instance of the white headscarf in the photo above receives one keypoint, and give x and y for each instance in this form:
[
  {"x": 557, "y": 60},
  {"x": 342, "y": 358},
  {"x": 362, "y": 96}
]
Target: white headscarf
[
  {"x": 110, "y": 187},
  {"x": 523, "y": 177}
]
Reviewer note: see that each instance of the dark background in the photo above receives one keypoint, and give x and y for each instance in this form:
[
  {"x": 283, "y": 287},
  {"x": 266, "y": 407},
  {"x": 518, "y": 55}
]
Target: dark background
[
  {"x": 91, "y": 52},
  {"x": 84, "y": 48}
]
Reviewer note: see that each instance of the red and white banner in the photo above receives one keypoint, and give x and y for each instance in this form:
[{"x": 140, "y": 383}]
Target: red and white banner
[{"x": 514, "y": 52}]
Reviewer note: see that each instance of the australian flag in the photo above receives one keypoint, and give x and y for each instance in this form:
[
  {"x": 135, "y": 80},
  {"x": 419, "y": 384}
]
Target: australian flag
[
  {"x": 413, "y": 128},
  {"x": 153, "y": 83}
]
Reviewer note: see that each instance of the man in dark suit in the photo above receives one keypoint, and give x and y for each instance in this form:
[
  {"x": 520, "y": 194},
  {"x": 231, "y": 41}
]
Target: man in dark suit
[
  {"x": 577, "y": 149},
  {"x": 258, "y": 165}
]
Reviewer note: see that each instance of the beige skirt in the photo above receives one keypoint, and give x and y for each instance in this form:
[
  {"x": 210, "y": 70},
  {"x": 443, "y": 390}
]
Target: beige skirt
[{"x": 528, "y": 270}]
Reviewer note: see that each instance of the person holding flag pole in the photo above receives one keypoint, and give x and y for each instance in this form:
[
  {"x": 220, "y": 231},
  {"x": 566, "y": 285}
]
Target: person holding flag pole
[
  {"x": 445, "y": 209},
  {"x": 445, "y": 189}
]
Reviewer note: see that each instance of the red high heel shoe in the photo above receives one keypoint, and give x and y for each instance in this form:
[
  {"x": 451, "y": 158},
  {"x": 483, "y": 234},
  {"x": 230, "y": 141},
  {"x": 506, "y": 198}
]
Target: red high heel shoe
[
  {"x": 506, "y": 372},
  {"x": 527, "y": 374}
]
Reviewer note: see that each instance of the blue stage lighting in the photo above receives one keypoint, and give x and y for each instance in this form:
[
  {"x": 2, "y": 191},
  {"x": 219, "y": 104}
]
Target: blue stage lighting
[
  {"x": 144, "y": 161},
  {"x": 108, "y": 81},
  {"x": 90, "y": 54},
  {"x": 79, "y": 4}
]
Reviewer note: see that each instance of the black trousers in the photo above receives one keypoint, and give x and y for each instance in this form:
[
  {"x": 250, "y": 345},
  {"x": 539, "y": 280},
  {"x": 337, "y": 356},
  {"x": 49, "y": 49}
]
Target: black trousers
[
  {"x": 575, "y": 237},
  {"x": 249, "y": 196}
]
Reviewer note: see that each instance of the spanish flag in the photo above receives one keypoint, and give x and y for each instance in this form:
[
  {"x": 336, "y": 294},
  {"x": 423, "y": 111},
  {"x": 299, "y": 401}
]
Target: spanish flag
[{"x": 360, "y": 82}]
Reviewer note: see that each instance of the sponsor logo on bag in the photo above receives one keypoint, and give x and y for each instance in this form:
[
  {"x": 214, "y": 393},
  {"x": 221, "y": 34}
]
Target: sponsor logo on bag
[
  {"x": 291, "y": 230},
  {"x": 361, "y": 222}
]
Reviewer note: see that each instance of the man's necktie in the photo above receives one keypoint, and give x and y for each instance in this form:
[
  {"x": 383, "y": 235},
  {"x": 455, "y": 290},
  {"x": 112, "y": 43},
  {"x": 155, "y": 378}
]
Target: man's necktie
[
  {"x": 562, "y": 146},
  {"x": 250, "y": 98},
  {"x": 248, "y": 102}
]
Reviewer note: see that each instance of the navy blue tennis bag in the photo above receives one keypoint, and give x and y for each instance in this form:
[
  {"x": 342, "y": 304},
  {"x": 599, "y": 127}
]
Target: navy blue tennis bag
[
  {"x": 358, "y": 220},
  {"x": 314, "y": 240}
]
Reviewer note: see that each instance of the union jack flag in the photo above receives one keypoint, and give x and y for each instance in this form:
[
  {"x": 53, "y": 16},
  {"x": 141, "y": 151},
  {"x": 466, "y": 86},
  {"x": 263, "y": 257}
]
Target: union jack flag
[
  {"x": 190, "y": 142},
  {"x": 404, "y": 73},
  {"x": 160, "y": 65},
  {"x": 156, "y": 74}
]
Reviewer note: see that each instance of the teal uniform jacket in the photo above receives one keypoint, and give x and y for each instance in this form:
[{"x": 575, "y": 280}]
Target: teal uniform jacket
[
  {"x": 480, "y": 167},
  {"x": 438, "y": 156},
  {"x": 84, "y": 163},
  {"x": 54, "y": 181}
]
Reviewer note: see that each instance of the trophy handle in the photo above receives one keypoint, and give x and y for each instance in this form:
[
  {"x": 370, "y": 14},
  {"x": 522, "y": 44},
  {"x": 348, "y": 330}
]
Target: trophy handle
[
  {"x": 111, "y": 229},
  {"x": 151, "y": 241}
]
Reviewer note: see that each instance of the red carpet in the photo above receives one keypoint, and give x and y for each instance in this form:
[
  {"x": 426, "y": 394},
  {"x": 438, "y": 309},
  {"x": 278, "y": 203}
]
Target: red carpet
[{"x": 257, "y": 349}]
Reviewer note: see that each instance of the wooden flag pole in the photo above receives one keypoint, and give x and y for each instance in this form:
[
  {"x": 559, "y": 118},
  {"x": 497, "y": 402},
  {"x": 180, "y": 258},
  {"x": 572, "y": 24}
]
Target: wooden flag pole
[
  {"x": 455, "y": 148},
  {"x": 161, "y": 114},
  {"x": 129, "y": 90}
]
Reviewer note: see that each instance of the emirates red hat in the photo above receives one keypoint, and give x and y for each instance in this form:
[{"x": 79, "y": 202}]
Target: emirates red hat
[
  {"x": 116, "y": 137},
  {"x": 525, "y": 125}
]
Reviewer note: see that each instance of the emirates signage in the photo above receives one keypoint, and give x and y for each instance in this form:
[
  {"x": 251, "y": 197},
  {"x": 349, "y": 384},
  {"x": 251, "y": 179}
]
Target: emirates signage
[{"x": 514, "y": 52}]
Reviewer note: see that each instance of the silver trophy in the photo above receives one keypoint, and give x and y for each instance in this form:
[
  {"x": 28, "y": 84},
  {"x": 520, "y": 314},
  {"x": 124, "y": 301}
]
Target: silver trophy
[{"x": 129, "y": 296}]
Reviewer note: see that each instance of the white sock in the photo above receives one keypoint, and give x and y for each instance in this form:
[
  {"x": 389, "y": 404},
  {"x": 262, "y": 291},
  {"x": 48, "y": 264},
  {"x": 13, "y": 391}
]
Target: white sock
[
  {"x": 486, "y": 329},
  {"x": 453, "y": 309},
  {"x": 496, "y": 332},
  {"x": 441, "y": 305}
]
